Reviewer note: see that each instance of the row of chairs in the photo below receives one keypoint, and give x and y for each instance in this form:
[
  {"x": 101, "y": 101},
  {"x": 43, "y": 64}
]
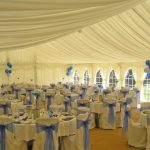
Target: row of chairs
[{"x": 47, "y": 136}]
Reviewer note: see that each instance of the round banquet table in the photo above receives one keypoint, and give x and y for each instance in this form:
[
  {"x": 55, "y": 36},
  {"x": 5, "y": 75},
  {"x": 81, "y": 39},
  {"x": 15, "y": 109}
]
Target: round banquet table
[{"x": 27, "y": 131}]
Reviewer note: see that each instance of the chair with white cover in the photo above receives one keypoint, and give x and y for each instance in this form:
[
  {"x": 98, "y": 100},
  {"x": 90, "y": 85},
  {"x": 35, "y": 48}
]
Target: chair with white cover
[
  {"x": 137, "y": 134},
  {"x": 132, "y": 95},
  {"x": 82, "y": 137},
  {"x": 120, "y": 114},
  {"x": 49, "y": 95},
  {"x": 145, "y": 106},
  {"x": 108, "y": 116},
  {"x": 89, "y": 92},
  {"x": 66, "y": 104},
  {"x": 86, "y": 104},
  {"x": 58, "y": 99},
  {"x": 47, "y": 135},
  {"x": 8, "y": 142},
  {"x": 68, "y": 142},
  {"x": 147, "y": 123}
]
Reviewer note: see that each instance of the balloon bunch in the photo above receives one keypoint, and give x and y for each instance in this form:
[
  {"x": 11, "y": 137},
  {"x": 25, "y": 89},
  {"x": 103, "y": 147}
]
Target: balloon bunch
[
  {"x": 69, "y": 70},
  {"x": 147, "y": 69},
  {"x": 8, "y": 70}
]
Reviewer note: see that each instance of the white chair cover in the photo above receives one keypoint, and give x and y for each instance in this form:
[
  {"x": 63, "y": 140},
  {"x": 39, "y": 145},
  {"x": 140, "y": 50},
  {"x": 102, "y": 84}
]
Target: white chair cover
[
  {"x": 40, "y": 141},
  {"x": 145, "y": 106},
  {"x": 68, "y": 142},
  {"x": 137, "y": 134},
  {"x": 148, "y": 133},
  {"x": 10, "y": 142},
  {"x": 147, "y": 120},
  {"x": 58, "y": 99},
  {"x": 120, "y": 114},
  {"x": 106, "y": 121},
  {"x": 79, "y": 143}
]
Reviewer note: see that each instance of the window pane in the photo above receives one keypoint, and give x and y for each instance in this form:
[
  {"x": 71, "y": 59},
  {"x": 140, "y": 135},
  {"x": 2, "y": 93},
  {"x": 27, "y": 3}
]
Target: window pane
[
  {"x": 99, "y": 79},
  {"x": 129, "y": 80},
  {"x": 112, "y": 79}
]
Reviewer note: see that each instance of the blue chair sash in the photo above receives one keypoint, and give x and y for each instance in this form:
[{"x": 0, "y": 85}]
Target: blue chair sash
[
  {"x": 124, "y": 93},
  {"x": 5, "y": 108},
  {"x": 106, "y": 92},
  {"x": 127, "y": 102},
  {"x": 37, "y": 95},
  {"x": 17, "y": 94},
  {"x": 111, "y": 114},
  {"x": 3, "y": 128},
  {"x": 127, "y": 115},
  {"x": 70, "y": 100},
  {"x": 49, "y": 98},
  {"x": 12, "y": 89},
  {"x": 66, "y": 103},
  {"x": 30, "y": 95},
  {"x": 49, "y": 142},
  {"x": 86, "y": 135},
  {"x": 82, "y": 95}
]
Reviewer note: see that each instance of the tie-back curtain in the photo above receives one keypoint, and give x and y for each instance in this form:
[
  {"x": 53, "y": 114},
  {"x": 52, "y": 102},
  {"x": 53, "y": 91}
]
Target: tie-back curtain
[{"x": 27, "y": 23}]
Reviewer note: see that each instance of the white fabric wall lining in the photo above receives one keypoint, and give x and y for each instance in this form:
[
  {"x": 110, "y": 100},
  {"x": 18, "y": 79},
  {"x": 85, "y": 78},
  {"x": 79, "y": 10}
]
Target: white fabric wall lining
[{"x": 53, "y": 73}]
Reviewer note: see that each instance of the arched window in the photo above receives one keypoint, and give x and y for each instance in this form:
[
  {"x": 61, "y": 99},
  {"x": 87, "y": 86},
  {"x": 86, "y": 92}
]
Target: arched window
[
  {"x": 86, "y": 77},
  {"x": 99, "y": 79},
  {"x": 146, "y": 89},
  {"x": 129, "y": 80},
  {"x": 112, "y": 79},
  {"x": 76, "y": 77}
]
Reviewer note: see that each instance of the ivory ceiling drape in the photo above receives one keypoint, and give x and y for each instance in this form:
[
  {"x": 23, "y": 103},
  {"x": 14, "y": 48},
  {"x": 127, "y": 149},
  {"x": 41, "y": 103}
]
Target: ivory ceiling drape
[
  {"x": 44, "y": 29},
  {"x": 27, "y": 23},
  {"x": 121, "y": 38}
]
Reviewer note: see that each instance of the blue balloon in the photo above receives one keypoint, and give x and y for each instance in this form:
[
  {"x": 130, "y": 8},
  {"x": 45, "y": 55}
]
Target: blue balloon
[
  {"x": 10, "y": 65},
  {"x": 148, "y": 75},
  {"x": 100, "y": 86},
  {"x": 9, "y": 71},
  {"x": 6, "y": 71},
  {"x": 148, "y": 63},
  {"x": 70, "y": 67}
]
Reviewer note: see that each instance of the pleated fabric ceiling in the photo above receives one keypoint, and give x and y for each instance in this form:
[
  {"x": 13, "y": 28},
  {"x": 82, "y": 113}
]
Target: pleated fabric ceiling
[{"x": 75, "y": 31}]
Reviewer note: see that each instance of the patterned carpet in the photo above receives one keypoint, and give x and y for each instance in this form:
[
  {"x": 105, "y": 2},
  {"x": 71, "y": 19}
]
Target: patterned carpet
[{"x": 111, "y": 139}]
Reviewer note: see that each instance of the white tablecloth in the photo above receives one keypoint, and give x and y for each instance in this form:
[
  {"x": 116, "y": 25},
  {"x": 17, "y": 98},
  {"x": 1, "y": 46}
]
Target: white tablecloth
[{"x": 27, "y": 132}]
